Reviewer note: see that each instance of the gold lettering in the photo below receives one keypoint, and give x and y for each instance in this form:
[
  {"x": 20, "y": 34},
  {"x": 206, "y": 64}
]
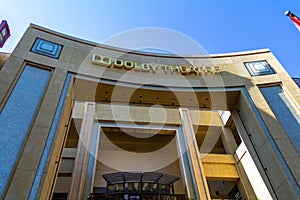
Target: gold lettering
[
  {"x": 201, "y": 70},
  {"x": 165, "y": 68},
  {"x": 128, "y": 65},
  {"x": 137, "y": 67},
  {"x": 194, "y": 70},
  {"x": 185, "y": 70},
  {"x": 118, "y": 63},
  {"x": 217, "y": 69},
  {"x": 145, "y": 67},
  {"x": 101, "y": 60},
  {"x": 207, "y": 70},
  {"x": 153, "y": 67},
  {"x": 174, "y": 69}
]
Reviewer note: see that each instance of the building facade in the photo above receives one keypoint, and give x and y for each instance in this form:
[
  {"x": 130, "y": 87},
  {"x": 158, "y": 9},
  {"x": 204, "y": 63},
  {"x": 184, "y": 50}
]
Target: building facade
[{"x": 86, "y": 121}]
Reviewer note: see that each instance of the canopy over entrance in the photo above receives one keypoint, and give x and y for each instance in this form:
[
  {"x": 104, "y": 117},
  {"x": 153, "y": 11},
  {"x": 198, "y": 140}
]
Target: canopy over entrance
[
  {"x": 147, "y": 177},
  {"x": 138, "y": 185}
]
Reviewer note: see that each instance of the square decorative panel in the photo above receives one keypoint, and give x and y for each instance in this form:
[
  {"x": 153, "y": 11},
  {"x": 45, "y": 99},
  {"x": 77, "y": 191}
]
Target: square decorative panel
[
  {"x": 46, "y": 48},
  {"x": 258, "y": 68}
]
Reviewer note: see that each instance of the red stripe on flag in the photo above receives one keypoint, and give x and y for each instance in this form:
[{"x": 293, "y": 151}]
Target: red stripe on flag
[
  {"x": 296, "y": 21},
  {"x": 294, "y": 18}
]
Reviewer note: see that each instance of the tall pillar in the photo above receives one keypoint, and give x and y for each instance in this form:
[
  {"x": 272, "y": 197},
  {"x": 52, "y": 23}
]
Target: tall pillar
[
  {"x": 92, "y": 162},
  {"x": 83, "y": 147},
  {"x": 193, "y": 176},
  {"x": 248, "y": 165}
]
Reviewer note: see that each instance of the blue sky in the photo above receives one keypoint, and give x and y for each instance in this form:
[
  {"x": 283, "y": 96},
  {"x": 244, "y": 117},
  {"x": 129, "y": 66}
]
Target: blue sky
[{"x": 220, "y": 26}]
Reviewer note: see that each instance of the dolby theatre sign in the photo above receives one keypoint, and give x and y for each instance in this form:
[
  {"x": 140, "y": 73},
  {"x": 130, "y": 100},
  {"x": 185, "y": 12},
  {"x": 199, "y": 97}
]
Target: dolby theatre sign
[{"x": 107, "y": 61}]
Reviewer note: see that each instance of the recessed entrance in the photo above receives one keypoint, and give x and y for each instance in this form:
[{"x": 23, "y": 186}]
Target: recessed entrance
[{"x": 145, "y": 162}]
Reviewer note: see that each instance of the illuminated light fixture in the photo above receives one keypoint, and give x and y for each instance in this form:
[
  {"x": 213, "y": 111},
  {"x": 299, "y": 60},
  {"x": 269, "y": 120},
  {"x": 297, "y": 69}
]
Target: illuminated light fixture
[{"x": 4, "y": 32}]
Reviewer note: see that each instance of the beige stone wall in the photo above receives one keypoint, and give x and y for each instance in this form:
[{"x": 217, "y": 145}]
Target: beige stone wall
[
  {"x": 125, "y": 113},
  {"x": 3, "y": 58}
]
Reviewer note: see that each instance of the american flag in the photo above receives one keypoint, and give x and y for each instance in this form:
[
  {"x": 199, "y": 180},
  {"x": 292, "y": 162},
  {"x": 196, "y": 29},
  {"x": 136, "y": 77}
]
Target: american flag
[{"x": 294, "y": 18}]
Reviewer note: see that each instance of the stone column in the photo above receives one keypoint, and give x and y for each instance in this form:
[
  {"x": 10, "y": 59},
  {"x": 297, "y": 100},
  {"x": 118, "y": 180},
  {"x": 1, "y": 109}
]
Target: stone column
[
  {"x": 193, "y": 175},
  {"x": 83, "y": 147},
  {"x": 254, "y": 180}
]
